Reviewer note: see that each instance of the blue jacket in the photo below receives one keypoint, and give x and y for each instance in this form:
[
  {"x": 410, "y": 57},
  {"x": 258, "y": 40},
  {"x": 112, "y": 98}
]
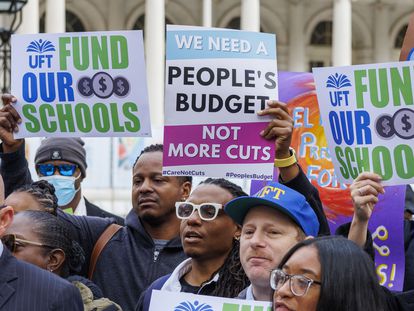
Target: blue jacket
[{"x": 171, "y": 283}]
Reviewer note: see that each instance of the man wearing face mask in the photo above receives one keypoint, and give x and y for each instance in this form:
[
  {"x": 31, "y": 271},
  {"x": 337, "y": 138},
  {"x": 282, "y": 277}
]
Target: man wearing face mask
[{"x": 62, "y": 163}]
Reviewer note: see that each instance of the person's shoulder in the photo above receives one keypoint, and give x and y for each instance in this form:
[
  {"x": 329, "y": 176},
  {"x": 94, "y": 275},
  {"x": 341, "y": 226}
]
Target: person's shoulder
[
  {"x": 49, "y": 291},
  {"x": 42, "y": 281},
  {"x": 41, "y": 277},
  {"x": 158, "y": 283},
  {"x": 94, "y": 210},
  {"x": 85, "y": 221},
  {"x": 242, "y": 294}
]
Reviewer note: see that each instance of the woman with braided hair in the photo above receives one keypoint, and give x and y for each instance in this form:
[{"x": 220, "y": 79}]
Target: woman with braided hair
[
  {"x": 42, "y": 239},
  {"x": 39, "y": 195},
  {"x": 210, "y": 240},
  {"x": 39, "y": 237}
]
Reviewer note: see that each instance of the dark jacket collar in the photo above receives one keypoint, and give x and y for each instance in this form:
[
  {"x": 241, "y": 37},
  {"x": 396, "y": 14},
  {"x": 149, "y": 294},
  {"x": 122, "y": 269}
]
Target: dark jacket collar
[{"x": 134, "y": 223}]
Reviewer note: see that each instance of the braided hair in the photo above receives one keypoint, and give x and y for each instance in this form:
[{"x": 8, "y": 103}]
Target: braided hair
[
  {"x": 57, "y": 233},
  {"x": 232, "y": 278},
  {"x": 160, "y": 148},
  {"x": 44, "y": 193}
]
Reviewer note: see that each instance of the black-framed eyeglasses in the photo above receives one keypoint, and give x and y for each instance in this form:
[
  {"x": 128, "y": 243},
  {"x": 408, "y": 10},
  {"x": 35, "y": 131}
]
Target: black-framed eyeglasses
[
  {"x": 50, "y": 169},
  {"x": 12, "y": 242},
  {"x": 299, "y": 284},
  {"x": 206, "y": 211}
]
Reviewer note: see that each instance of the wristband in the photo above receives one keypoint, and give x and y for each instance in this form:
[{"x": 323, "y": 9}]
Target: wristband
[{"x": 287, "y": 161}]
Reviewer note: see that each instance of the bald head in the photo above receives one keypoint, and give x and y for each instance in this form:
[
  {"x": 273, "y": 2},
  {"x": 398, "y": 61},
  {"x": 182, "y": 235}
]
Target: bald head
[{"x": 1, "y": 189}]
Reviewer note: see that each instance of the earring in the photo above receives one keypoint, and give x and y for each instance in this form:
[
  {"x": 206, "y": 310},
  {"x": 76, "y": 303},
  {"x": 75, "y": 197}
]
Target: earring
[
  {"x": 50, "y": 269},
  {"x": 237, "y": 238}
]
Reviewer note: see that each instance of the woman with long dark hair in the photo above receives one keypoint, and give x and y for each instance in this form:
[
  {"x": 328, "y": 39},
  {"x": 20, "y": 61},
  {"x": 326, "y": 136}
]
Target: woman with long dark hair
[{"x": 327, "y": 274}]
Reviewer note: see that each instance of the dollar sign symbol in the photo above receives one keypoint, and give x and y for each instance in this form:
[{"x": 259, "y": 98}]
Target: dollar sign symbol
[
  {"x": 386, "y": 126},
  {"x": 86, "y": 88},
  {"x": 102, "y": 83},
  {"x": 407, "y": 126},
  {"x": 120, "y": 86}
]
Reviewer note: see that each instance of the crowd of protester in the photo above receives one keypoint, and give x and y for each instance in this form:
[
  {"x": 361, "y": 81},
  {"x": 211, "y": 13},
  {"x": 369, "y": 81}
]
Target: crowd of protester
[{"x": 214, "y": 240}]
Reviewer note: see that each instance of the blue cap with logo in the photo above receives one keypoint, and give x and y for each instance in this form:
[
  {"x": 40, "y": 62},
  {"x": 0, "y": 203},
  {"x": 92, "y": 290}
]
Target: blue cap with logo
[{"x": 284, "y": 199}]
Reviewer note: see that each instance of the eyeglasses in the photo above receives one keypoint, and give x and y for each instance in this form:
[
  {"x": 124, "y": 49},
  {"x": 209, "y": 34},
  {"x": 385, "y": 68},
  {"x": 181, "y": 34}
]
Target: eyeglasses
[
  {"x": 299, "y": 284},
  {"x": 206, "y": 211},
  {"x": 12, "y": 242},
  {"x": 50, "y": 169}
]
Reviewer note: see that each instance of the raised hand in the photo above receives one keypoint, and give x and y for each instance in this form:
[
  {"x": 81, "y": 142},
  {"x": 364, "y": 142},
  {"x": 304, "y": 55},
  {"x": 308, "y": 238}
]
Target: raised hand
[{"x": 9, "y": 123}]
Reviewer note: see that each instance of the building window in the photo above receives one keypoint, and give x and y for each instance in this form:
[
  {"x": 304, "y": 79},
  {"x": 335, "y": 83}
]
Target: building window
[
  {"x": 400, "y": 37},
  {"x": 73, "y": 23},
  {"x": 315, "y": 63},
  {"x": 235, "y": 23},
  {"x": 322, "y": 34},
  {"x": 140, "y": 23}
]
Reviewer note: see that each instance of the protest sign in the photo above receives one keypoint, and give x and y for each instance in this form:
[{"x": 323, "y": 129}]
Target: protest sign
[
  {"x": 80, "y": 84},
  {"x": 367, "y": 114},
  {"x": 216, "y": 81},
  {"x": 174, "y": 301},
  {"x": 309, "y": 141}
]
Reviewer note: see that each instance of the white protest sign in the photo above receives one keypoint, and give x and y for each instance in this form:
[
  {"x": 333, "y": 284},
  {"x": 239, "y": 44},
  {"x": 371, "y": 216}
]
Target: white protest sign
[
  {"x": 368, "y": 116},
  {"x": 80, "y": 84},
  {"x": 216, "y": 82},
  {"x": 174, "y": 301}
]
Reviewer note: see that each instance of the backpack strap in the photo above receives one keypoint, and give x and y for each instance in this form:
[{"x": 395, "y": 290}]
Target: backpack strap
[{"x": 100, "y": 245}]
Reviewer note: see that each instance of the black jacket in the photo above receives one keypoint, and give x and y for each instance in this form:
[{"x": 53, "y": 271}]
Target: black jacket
[
  {"x": 15, "y": 172},
  {"x": 93, "y": 210},
  {"x": 26, "y": 287}
]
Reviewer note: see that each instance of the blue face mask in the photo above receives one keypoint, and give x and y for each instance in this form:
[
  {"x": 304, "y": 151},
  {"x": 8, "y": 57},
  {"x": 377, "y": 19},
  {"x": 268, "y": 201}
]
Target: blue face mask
[{"x": 64, "y": 187}]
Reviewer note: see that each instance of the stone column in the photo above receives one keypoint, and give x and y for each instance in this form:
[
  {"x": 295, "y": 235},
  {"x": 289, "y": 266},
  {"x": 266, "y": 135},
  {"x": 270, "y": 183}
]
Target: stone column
[
  {"x": 154, "y": 51},
  {"x": 296, "y": 36},
  {"x": 342, "y": 33},
  {"x": 55, "y": 16},
  {"x": 30, "y": 18},
  {"x": 382, "y": 44},
  {"x": 116, "y": 15},
  {"x": 207, "y": 13},
  {"x": 250, "y": 15}
]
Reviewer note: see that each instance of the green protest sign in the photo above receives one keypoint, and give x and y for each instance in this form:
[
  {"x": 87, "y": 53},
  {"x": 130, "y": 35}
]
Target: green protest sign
[
  {"x": 80, "y": 84},
  {"x": 368, "y": 116}
]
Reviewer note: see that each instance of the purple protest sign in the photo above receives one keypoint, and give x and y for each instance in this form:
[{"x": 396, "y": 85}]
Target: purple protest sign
[{"x": 216, "y": 81}]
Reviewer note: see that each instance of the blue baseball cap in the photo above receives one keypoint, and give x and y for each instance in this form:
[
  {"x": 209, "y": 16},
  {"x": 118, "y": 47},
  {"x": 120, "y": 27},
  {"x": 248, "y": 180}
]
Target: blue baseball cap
[{"x": 282, "y": 198}]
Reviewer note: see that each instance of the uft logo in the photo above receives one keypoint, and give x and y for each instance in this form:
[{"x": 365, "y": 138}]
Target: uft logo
[
  {"x": 39, "y": 59},
  {"x": 188, "y": 306},
  {"x": 338, "y": 81}
]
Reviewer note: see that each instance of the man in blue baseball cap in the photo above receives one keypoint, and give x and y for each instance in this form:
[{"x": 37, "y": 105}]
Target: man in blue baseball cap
[{"x": 272, "y": 220}]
